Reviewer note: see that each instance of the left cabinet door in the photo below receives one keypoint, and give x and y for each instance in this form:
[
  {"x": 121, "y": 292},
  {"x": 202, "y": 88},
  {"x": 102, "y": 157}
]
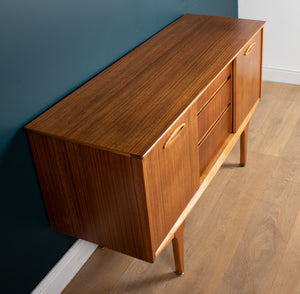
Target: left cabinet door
[{"x": 171, "y": 175}]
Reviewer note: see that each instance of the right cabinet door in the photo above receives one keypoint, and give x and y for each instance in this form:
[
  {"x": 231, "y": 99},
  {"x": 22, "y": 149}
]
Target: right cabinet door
[{"x": 247, "y": 79}]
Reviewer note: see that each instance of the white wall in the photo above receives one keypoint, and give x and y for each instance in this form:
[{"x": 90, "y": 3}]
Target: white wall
[{"x": 281, "y": 60}]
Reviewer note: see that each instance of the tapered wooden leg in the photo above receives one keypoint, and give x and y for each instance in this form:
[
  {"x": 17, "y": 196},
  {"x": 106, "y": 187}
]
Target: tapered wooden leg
[
  {"x": 243, "y": 146},
  {"x": 178, "y": 250}
]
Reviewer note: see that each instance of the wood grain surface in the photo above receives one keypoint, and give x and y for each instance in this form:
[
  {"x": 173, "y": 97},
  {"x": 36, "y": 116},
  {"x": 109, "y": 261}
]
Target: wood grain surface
[
  {"x": 214, "y": 140},
  {"x": 243, "y": 146},
  {"x": 116, "y": 110},
  {"x": 247, "y": 72},
  {"x": 118, "y": 159},
  {"x": 243, "y": 234},
  {"x": 171, "y": 176},
  {"x": 214, "y": 87},
  {"x": 208, "y": 175},
  {"x": 94, "y": 195},
  {"x": 210, "y": 114},
  {"x": 178, "y": 250}
]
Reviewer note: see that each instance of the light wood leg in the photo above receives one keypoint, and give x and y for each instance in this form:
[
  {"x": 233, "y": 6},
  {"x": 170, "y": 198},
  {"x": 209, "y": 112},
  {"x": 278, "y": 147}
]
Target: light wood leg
[
  {"x": 243, "y": 146},
  {"x": 178, "y": 250}
]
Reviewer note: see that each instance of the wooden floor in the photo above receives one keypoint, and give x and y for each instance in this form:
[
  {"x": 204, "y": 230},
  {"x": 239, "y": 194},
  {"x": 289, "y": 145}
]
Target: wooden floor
[{"x": 243, "y": 236}]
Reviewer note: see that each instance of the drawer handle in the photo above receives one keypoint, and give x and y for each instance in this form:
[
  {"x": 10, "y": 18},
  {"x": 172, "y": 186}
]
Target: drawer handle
[
  {"x": 174, "y": 136},
  {"x": 250, "y": 48}
]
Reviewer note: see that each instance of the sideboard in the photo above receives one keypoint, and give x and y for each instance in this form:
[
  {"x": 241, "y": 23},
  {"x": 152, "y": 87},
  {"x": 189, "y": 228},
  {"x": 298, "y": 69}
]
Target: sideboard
[{"x": 123, "y": 159}]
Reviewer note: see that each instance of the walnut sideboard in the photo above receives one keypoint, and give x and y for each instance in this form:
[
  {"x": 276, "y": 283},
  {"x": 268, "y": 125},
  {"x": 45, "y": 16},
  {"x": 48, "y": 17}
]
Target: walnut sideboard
[{"x": 123, "y": 159}]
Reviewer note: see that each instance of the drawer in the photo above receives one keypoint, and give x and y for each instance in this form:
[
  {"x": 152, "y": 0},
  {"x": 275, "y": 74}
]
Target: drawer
[
  {"x": 214, "y": 140},
  {"x": 215, "y": 86},
  {"x": 212, "y": 111}
]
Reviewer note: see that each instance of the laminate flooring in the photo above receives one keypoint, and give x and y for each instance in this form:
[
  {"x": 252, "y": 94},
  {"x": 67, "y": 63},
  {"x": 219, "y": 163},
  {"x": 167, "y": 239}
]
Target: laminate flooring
[{"x": 243, "y": 236}]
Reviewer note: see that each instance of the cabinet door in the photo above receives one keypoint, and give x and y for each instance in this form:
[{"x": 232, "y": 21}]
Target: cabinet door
[
  {"x": 247, "y": 79},
  {"x": 171, "y": 175}
]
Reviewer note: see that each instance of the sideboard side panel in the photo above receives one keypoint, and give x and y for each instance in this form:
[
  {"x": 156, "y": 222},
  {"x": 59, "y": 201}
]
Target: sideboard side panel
[{"x": 94, "y": 194}]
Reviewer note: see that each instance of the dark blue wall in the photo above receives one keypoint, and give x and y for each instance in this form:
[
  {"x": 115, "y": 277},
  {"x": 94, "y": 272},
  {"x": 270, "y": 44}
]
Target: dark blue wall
[{"x": 47, "y": 49}]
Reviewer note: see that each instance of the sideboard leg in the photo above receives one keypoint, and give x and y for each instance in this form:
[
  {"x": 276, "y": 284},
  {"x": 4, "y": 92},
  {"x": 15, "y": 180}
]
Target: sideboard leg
[
  {"x": 178, "y": 250},
  {"x": 243, "y": 146}
]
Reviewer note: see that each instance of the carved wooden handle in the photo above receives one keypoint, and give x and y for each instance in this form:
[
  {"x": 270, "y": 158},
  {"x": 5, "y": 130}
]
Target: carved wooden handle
[
  {"x": 173, "y": 136},
  {"x": 250, "y": 48}
]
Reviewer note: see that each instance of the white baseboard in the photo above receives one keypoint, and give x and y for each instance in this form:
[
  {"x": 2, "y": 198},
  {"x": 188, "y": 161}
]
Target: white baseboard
[
  {"x": 281, "y": 75},
  {"x": 67, "y": 267}
]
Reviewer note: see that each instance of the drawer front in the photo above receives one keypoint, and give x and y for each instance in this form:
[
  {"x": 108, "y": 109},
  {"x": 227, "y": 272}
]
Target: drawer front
[
  {"x": 215, "y": 86},
  {"x": 210, "y": 113},
  {"x": 212, "y": 143}
]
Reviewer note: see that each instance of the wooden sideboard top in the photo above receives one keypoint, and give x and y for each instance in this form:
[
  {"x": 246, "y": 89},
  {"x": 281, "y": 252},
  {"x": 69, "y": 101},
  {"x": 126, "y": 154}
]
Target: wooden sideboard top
[{"x": 129, "y": 105}]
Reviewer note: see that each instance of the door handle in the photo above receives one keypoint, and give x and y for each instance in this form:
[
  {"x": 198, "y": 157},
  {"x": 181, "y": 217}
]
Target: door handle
[{"x": 174, "y": 135}]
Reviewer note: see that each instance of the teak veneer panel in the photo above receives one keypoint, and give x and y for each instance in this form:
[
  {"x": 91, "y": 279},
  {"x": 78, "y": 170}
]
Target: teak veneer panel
[
  {"x": 215, "y": 139},
  {"x": 214, "y": 87},
  {"x": 94, "y": 195},
  {"x": 151, "y": 86},
  {"x": 212, "y": 112},
  {"x": 171, "y": 176},
  {"x": 123, "y": 159},
  {"x": 247, "y": 87}
]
